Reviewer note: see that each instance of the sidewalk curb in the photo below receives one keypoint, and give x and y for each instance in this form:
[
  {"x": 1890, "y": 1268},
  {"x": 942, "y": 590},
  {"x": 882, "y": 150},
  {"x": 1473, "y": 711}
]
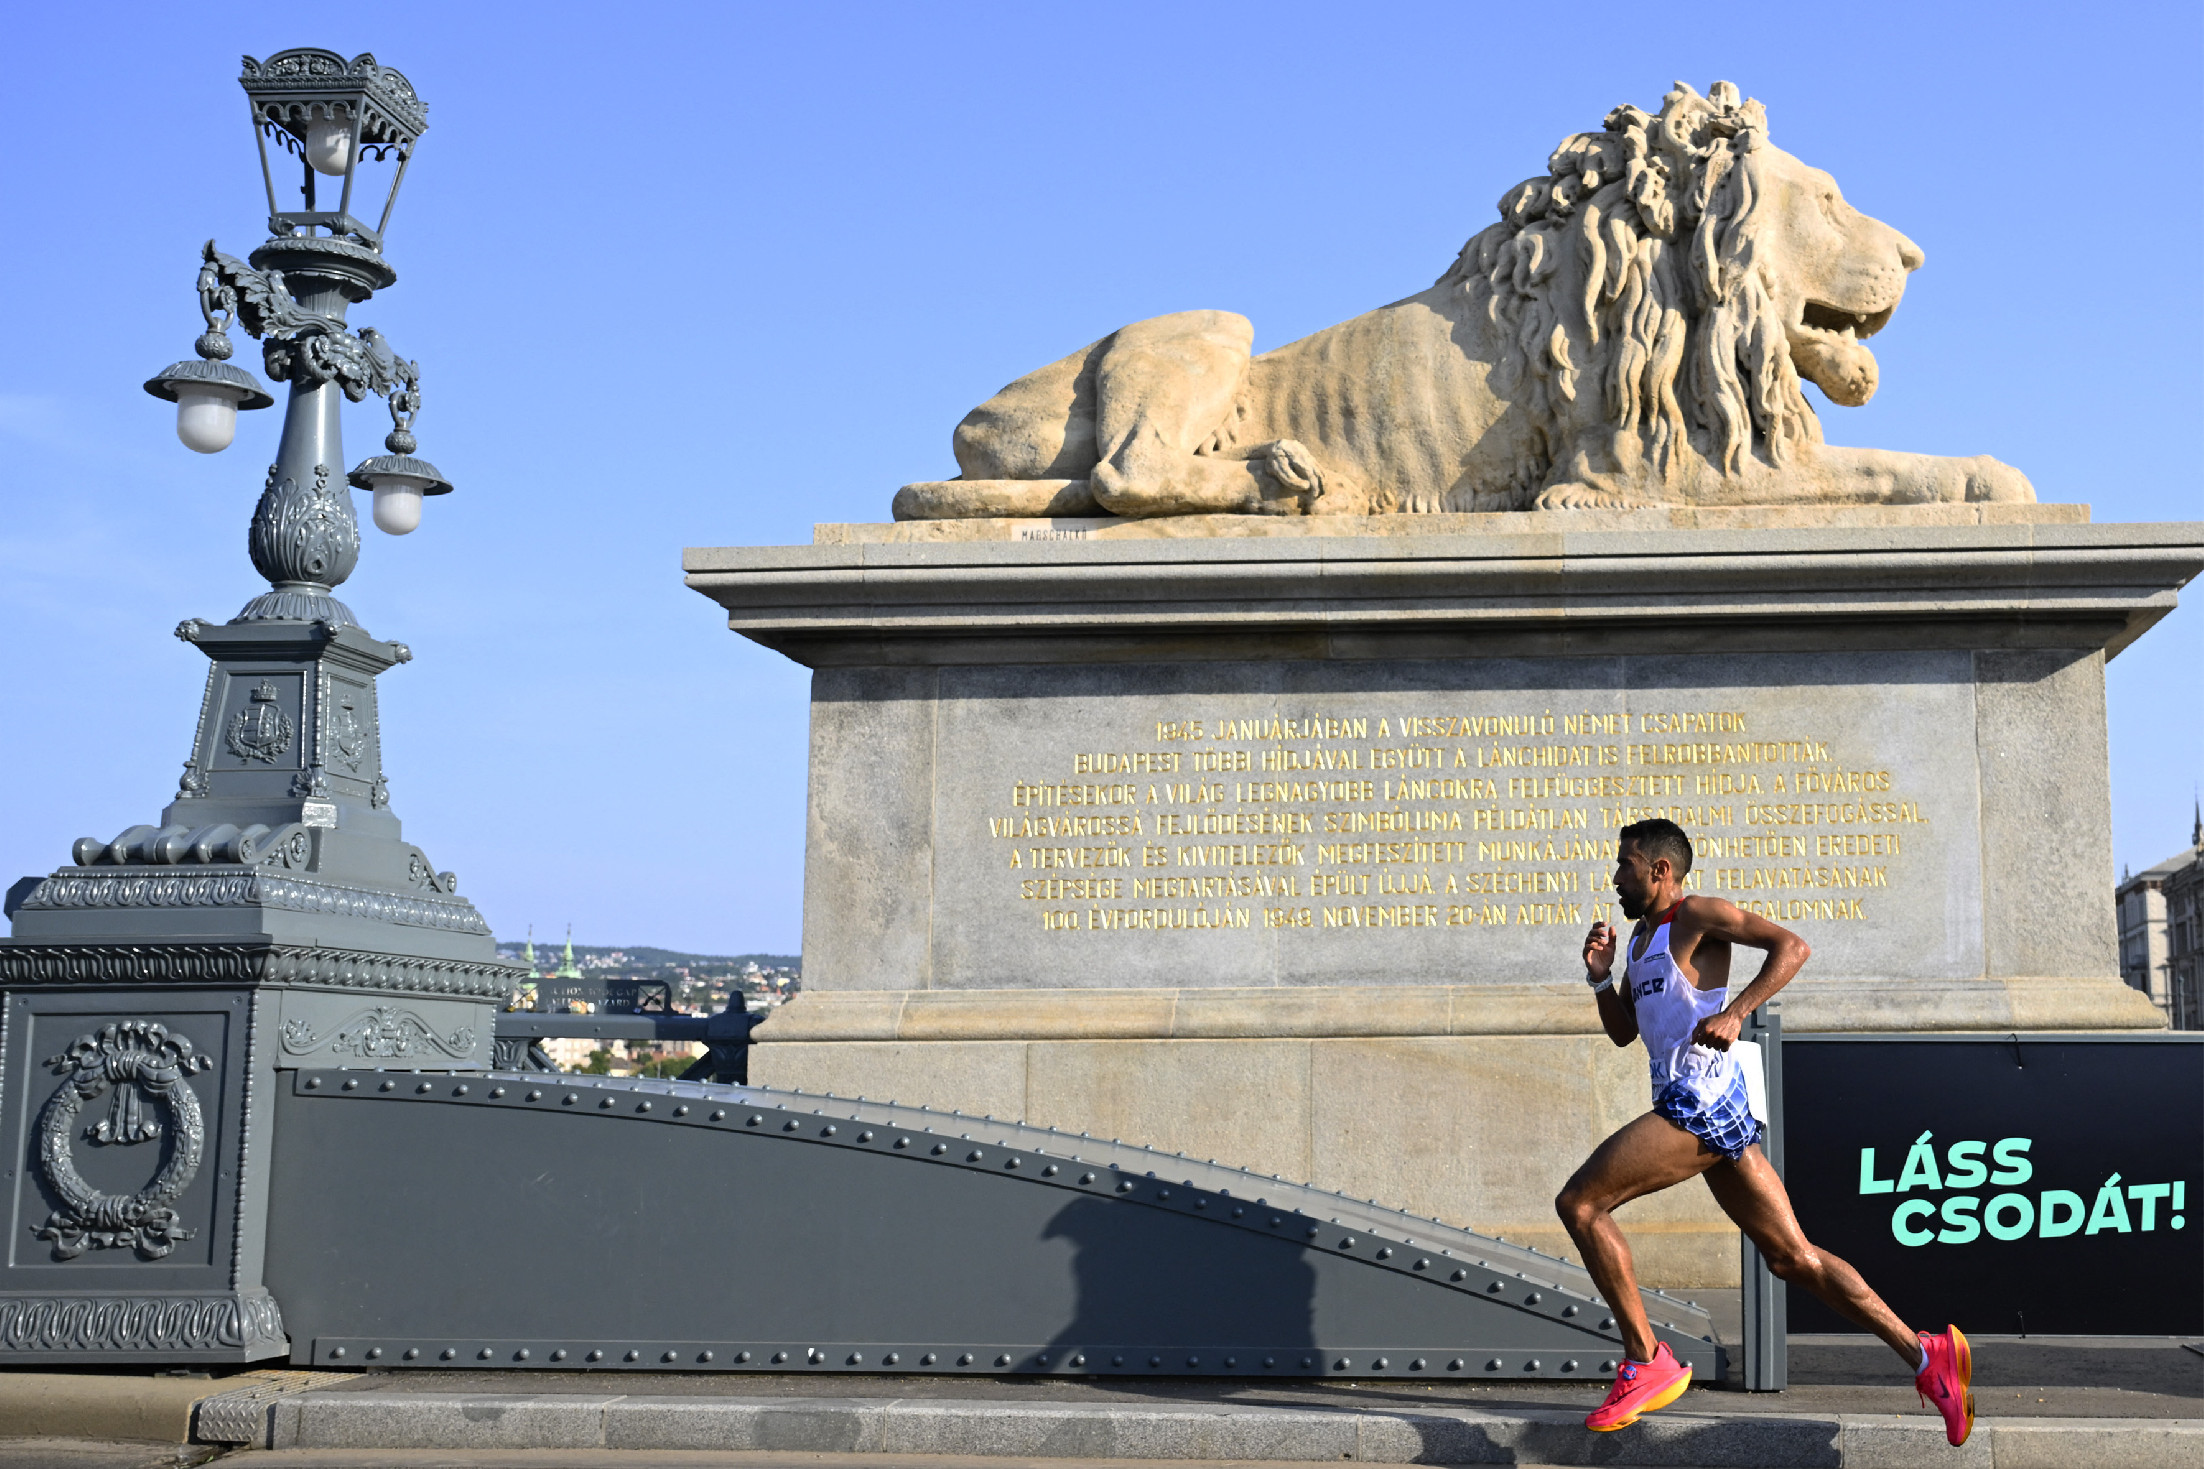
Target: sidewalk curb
[
  {"x": 1031, "y": 1431},
  {"x": 83, "y": 1405}
]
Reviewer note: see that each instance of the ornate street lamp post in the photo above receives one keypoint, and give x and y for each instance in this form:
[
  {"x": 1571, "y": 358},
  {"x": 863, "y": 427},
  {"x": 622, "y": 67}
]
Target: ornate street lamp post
[{"x": 159, "y": 987}]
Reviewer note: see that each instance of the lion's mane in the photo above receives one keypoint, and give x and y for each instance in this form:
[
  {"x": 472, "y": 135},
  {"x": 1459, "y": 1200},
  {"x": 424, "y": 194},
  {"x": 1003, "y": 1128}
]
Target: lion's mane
[{"x": 1624, "y": 281}]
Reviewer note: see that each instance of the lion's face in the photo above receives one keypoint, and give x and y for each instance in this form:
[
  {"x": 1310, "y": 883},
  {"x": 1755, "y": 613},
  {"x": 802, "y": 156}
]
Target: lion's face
[{"x": 1835, "y": 274}]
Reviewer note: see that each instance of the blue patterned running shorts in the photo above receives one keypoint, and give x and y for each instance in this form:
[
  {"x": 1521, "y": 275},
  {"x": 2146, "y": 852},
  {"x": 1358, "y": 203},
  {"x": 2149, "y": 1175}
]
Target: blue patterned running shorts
[{"x": 1725, "y": 1124}]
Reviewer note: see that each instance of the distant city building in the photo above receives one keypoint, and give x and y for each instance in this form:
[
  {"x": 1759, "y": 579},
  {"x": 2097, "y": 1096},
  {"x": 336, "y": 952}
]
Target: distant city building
[{"x": 2161, "y": 915}]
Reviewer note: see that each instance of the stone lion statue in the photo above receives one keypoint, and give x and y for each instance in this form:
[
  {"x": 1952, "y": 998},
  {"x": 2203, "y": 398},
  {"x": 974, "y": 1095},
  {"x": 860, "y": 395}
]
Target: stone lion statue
[{"x": 1632, "y": 332}]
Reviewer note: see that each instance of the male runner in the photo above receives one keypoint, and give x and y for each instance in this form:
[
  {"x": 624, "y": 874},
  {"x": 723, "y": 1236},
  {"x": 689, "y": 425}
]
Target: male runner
[{"x": 1677, "y": 976}]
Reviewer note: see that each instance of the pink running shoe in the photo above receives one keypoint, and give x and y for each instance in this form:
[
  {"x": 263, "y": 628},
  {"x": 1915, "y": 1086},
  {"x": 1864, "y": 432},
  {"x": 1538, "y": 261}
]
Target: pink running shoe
[
  {"x": 1947, "y": 1382},
  {"x": 1641, "y": 1387}
]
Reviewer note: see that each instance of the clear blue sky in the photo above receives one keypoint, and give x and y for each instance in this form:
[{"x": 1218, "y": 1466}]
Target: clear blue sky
[{"x": 703, "y": 275}]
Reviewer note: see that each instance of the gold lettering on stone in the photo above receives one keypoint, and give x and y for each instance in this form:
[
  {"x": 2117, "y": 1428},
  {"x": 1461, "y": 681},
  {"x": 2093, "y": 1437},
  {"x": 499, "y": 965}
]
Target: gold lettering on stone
[{"x": 1341, "y": 823}]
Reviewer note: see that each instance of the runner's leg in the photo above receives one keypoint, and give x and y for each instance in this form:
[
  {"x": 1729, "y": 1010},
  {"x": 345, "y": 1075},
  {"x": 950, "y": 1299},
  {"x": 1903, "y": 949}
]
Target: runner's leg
[
  {"x": 1645, "y": 1157},
  {"x": 1751, "y": 1194}
]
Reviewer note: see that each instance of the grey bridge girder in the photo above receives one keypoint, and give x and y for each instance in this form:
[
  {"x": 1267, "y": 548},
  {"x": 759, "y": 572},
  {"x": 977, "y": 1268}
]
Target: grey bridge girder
[{"x": 534, "y": 1220}]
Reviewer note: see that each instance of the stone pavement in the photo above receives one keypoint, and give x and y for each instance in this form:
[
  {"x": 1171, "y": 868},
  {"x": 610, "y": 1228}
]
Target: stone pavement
[{"x": 2072, "y": 1402}]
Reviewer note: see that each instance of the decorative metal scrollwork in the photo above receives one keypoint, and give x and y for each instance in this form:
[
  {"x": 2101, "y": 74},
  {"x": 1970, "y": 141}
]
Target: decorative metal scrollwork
[
  {"x": 379, "y": 1032},
  {"x": 304, "y": 533},
  {"x": 134, "y": 1063}
]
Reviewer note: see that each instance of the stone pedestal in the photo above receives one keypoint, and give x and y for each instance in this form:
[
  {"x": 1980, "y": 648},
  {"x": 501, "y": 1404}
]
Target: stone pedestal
[
  {"x": 155, "y": 988},
  {"x": 1274, "y": 840}
]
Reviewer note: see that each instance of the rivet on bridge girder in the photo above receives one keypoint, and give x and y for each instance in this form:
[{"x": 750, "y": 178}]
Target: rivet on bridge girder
[
  {"x": 1417, "y": 1365},
  {"x": 594, "y": 1355},
  {"x": 422, "y": 1088},
  {"x": 827, "y": 1131},
  {"x": 388, "y": 1086},
  {"x": 569, "y": 1099},
  {"x": 965, "y": 1360},
  {"x": 559, "y": 1355},
  {"x": 681, "y": 1111},
  {"x": 1079, "y": 1359},
  {"x": 410, "y": 1353},
  {"x": 718, "y": 1117},
  {"x": 313, "y": 1083},
  {"x": 632, "y": 1356},
  {"x": 460, "y": 1090},
  {"x": 350, "y": 1086},
  {"x": 1379, "y": 1364},
  {"x": 891, "y": 1359}
]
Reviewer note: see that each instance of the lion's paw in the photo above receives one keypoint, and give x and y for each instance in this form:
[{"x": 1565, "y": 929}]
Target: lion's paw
[
  {"x": 1310, "y": 489},
  {"x": 1574, "y": 496},
  {"x": 1991, "y": 479}
]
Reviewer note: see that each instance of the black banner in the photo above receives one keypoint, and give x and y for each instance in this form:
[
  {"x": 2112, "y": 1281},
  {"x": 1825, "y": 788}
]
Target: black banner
[{"x": 2042, "y": 1186}]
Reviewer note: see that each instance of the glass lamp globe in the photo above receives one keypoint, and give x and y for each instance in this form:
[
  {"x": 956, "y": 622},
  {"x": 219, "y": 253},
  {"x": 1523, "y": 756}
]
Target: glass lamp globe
[
  {"x": 207, "y": 395},
  {"x": 206, "y": 418},
  {"x": 329, "y": 145},
  {"x": 397, "y": 504},
  {"x": 399, "y": 481}
]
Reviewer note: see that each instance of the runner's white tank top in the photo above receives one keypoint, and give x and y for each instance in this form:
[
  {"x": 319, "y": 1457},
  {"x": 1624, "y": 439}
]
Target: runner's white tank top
[{"x": 1669, "y": 1007}]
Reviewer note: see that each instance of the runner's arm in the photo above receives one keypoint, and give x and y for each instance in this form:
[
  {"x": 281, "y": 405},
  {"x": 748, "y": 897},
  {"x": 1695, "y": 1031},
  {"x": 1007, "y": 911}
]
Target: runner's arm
[
  {"x": 1717, "y": 918},
  {"x": 1615, "y": 1013}
]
